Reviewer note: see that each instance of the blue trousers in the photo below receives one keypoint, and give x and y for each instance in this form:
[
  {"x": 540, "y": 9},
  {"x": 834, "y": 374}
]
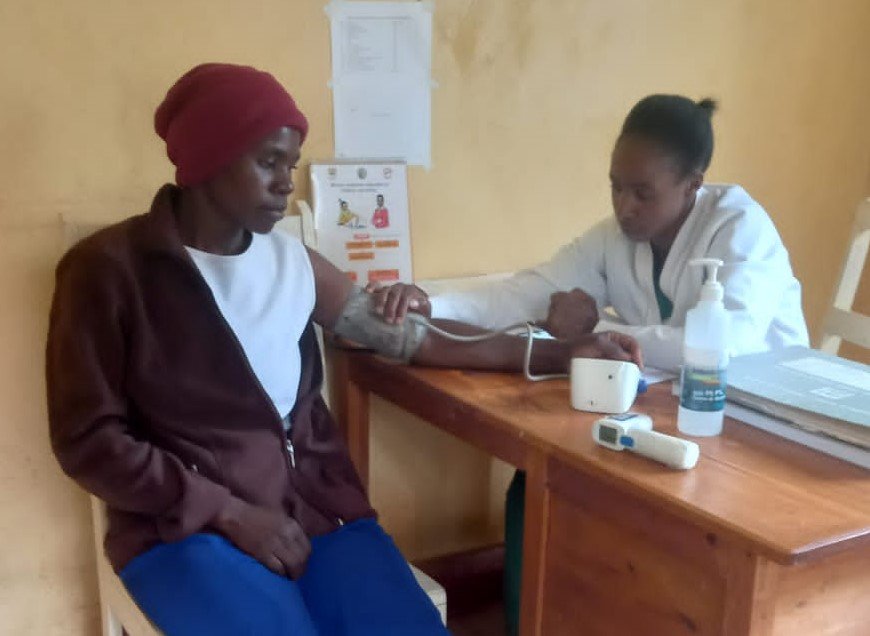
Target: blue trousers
[{"x": 356, "y": 584}]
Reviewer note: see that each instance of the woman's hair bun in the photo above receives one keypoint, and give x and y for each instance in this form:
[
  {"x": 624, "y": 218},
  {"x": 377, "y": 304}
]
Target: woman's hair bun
[{"x": 709, "y": 105}]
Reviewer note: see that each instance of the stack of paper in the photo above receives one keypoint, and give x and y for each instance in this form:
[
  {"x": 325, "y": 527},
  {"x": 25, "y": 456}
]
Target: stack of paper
[{"x": 807, "y": 396}]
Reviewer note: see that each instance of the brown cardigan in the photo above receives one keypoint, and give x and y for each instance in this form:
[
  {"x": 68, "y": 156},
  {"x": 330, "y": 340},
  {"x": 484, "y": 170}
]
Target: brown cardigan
[{"x": 154, "y": 408}]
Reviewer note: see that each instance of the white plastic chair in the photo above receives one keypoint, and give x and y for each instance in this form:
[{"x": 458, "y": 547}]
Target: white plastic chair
[
  {"x": 842, "y": 321},
  {"x": 118, "y": 611}
]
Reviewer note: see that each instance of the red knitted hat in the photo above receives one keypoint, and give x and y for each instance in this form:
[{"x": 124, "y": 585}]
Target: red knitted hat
[{"x": 216, "y": 112}]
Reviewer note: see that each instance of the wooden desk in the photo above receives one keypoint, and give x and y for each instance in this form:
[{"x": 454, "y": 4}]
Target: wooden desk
[{"x": 762, "y": 537}]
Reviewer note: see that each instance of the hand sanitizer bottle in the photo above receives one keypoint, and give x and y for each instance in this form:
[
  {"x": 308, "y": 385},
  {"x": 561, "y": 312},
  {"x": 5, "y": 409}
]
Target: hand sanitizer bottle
[{"x": 705, "y": 358}]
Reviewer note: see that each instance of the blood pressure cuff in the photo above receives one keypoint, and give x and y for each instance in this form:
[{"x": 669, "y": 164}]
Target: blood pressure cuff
[{"x": 361, "y": 324}]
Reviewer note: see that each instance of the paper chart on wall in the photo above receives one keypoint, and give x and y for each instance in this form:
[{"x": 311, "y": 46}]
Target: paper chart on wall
[
  {"x": 381, "y": 65},
  {"x": 361, "y": 219}
]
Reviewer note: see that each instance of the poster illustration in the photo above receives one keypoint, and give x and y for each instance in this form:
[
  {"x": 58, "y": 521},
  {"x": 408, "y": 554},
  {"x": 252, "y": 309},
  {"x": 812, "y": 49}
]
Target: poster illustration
[{"x": 361, "y": 219}]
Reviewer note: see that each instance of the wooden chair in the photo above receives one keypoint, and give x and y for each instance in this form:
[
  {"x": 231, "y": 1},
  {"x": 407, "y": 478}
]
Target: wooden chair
[
  {"x": 118, "y": 611},
  {"x": 842, "y": 321}
]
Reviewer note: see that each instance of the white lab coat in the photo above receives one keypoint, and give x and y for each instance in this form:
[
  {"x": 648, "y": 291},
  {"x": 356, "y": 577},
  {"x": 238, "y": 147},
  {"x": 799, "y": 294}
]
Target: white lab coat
[{"x": 761, "y": 292}]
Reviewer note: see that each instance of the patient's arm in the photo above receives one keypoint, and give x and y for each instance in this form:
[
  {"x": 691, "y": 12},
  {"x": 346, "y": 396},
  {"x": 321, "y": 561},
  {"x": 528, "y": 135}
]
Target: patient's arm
[{"x": 350, "y": 313}]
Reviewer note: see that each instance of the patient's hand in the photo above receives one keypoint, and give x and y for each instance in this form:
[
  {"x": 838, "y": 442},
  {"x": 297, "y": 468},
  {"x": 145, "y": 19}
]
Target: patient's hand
[
  {"x": 572, "y": 315},
  {"x": 274, "y": 539},
  {"x": 394, "y": 302},
  {"x": 611, "y": 345}
]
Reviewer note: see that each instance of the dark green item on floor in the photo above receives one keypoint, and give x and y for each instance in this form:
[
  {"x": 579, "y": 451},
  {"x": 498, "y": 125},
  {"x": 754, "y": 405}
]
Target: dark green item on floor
[{"x": 513, "y": 551}]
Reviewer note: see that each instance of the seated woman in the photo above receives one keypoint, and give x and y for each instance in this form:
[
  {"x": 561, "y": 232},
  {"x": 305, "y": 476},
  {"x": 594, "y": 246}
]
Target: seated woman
[
  {"x": 636, "y": 263},
  {"x": 184, "y": 388}
]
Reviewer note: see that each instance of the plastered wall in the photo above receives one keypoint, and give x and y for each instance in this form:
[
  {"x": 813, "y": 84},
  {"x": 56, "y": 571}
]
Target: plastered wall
[{"x": 529, "y": 100}]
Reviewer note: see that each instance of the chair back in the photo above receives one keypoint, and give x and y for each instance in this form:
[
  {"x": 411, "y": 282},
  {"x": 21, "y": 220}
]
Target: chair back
[{"x": 842, "y": 322}]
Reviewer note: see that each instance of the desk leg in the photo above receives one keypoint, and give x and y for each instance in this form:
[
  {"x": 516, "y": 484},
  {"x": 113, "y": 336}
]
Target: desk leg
[
  {"x": 750, "y": 594},
  {"x": 352, "y": 412},
  {"x": 358, "y": 430},
  {"x": 535, "y": 523}
]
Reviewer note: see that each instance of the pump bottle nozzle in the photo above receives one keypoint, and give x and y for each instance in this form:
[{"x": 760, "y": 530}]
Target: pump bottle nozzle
[{"x": 712, "y": 288}]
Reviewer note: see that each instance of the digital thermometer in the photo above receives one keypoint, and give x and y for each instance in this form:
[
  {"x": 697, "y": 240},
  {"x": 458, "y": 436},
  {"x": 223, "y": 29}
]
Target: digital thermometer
[{"x": 633, "y": 431}]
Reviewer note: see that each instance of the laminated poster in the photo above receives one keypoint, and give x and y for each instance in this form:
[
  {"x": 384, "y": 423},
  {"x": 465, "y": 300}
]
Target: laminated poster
[{"x": 361, "y": 219}]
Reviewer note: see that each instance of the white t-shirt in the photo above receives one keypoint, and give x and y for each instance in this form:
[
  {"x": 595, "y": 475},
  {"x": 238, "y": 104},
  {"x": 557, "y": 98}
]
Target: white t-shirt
[
  {"x": 266, "y": 294},
  {"x": 761, "y": 293}
]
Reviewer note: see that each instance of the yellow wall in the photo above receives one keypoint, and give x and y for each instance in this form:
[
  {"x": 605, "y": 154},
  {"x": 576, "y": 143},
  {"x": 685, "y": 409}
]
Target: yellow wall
[{"x": 530, "y": 97}]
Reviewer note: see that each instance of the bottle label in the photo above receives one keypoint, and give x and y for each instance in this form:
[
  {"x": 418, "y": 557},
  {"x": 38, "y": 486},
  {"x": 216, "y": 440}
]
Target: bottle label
[{"x": 702, "y": 389}]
